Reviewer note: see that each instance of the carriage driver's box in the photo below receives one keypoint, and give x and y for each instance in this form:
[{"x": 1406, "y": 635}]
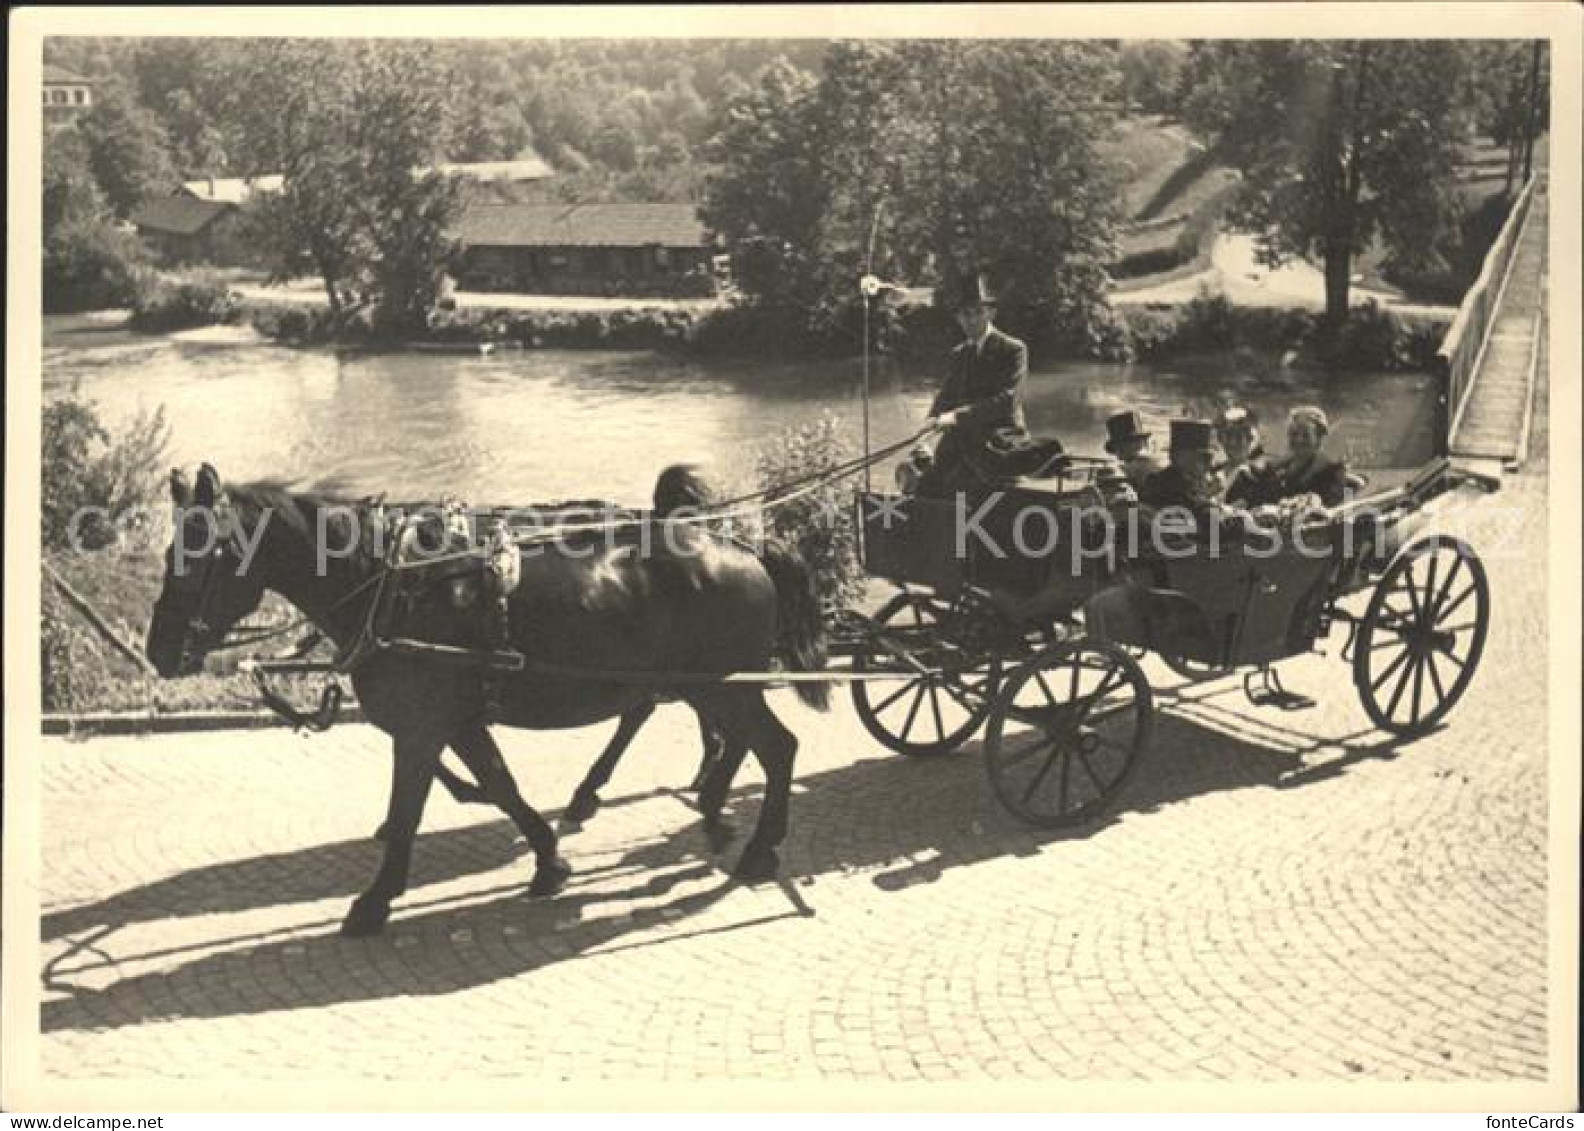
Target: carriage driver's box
[{"x": 1017, "y": 538}]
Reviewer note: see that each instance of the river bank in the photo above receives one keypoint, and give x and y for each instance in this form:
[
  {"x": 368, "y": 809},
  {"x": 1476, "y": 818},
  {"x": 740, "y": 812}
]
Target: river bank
[{"x": 1140, "y": 326}]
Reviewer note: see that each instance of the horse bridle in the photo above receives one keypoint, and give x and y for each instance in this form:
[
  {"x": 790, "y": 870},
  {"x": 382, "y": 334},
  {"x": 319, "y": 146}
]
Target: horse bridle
[{"x": 197, "y": 626}]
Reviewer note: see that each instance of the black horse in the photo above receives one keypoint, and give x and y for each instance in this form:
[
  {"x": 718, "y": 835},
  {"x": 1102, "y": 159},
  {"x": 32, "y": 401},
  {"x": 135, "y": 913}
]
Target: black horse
[
  {"x": 645, "y": 597},
  {"x": 681, "y": 491}
]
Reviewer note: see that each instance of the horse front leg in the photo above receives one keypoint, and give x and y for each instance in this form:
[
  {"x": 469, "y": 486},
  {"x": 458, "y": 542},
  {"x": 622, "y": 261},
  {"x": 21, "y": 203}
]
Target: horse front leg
[
  {"x": 585, "y": 799},
  {"x": 412, "y": 773}
]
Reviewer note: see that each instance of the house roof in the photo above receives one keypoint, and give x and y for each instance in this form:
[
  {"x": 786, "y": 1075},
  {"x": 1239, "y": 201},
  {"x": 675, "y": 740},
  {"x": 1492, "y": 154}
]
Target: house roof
[
  {"x": 232, "y": 190},
  {"x": 62, "y": 75},
  {"x": 178, "y": 215},
  {"x": 526, "y": 169},
  {"x": 580, "y": 225}
]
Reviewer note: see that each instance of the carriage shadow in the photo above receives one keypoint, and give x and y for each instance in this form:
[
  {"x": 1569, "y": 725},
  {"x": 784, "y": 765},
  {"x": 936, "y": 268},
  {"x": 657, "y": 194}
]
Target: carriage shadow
[{"x": 892, "y": 821}]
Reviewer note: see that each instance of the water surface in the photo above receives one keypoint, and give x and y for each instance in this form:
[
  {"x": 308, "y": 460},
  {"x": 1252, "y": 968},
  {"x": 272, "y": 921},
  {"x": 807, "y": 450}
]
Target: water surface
[{"x": 535, "y": 425}]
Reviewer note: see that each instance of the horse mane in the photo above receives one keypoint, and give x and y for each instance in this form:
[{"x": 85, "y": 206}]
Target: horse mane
[{"x": 297, "y": 508}]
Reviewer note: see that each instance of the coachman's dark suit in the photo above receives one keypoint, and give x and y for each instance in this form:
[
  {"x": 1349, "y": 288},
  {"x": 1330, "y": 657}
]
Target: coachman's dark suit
[{"x": 986, "y": 379}]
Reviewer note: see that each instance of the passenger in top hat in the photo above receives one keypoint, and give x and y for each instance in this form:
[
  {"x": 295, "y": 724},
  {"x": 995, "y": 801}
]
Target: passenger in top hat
[
  {"x": 983, "y": 389},
  {"x": 1127, "y": 440},
  {"x": 1190, "y": 480}
]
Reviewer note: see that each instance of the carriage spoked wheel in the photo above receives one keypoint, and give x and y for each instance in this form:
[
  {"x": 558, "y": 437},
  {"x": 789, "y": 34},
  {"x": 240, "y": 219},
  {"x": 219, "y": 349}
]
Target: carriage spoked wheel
[
  {"x": 1067, "y": 731},
  {"x": 928, "y": 712},
  {"x": 1421, "y": 635}
]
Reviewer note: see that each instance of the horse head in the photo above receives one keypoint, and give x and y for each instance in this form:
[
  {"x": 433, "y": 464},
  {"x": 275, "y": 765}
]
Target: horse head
[{"x": 207, "y": 588}]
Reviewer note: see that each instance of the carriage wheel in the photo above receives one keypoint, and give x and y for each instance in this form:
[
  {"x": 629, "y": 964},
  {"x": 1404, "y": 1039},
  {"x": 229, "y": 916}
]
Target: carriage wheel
[
  {"x": 1067, "y": 732},
  {"x": 921, "y": 715},
  {"x": 1421, "y": 636}
]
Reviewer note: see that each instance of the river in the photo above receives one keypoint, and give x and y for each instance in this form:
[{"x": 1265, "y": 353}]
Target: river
[{"x": 525, "y": 426}]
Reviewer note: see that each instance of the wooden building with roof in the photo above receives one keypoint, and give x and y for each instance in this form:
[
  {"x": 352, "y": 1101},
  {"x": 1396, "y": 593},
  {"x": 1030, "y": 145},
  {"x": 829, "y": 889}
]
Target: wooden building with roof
[
  {"x": 659, "y": 250},
  {"x": 185, "y": 229}
]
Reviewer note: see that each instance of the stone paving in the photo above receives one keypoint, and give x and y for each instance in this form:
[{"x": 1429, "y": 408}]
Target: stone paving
[{"x": 1279, "y": 896}]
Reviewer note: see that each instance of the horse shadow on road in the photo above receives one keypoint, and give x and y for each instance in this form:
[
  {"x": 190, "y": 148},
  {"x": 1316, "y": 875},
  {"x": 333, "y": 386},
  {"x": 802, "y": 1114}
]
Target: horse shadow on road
[{"x": 892, "y": 821}]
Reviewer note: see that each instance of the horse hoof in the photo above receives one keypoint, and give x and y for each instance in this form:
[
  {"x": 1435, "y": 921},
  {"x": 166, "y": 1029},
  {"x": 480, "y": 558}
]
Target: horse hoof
[
  {"x": 757, "y": 866},
  {"x": 581, "y": 808},
  {"x": 719, "y": 833},
  {"x": 381, "y": 833},
  {"x": 550, "y": 878},
  {"x": 364, "y": 919}
]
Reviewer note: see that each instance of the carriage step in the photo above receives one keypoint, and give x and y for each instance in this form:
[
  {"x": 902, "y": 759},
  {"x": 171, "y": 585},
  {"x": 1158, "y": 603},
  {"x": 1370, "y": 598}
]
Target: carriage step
[
  {"x": 461, "y": 657},
  {"x": 1264, "y": 689}
]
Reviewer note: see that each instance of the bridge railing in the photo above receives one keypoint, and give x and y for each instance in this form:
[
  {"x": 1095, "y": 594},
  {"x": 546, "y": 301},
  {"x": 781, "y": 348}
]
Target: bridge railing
[{"x": 1457, "y": 360}]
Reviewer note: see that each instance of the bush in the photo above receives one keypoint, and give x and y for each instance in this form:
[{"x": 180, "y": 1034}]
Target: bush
[
  {"x": 83, "y": 467},
  {"x": 820, "y": 524},
  {"x": 757, "y": 329},
  {"x": 1448, "y": 282},
  {"x": 199, "y": 299},
  {"x": 62, "y": 677},
  {"x": 301, "y": 324},
  {"x": 89, "y": 265},
  {"x": 1372, "y": 338}
]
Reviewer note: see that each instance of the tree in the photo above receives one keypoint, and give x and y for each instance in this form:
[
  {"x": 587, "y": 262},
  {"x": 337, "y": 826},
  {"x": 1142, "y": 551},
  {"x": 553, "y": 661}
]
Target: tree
[
  {"x": 767, "y": 194},
  {"x": 1152, "y": 71},
  {"x": 1338, "y": 142},
  {"x": 127, "y": 150},
  {"x": 70, "y": 192},
  {"x": 945, "y": 158},
  {"x": 178, "y": 81},
  {"x": 352, "y": 129}
]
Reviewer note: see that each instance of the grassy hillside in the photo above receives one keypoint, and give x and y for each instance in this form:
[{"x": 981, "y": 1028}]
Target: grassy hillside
[{"x": 1174, "y": 197}]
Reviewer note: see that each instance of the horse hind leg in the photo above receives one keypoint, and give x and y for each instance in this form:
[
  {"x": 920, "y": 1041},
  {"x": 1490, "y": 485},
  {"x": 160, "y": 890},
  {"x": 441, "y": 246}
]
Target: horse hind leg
[
  {"x": 585, "y": 799},
  {"x": 714, "y": 745},
  {"x": 714, "y": 784},
  {"x": 477, "y": 749},
  {"x": 461, "y": 790},
  {"x": 747, "y": 719}
]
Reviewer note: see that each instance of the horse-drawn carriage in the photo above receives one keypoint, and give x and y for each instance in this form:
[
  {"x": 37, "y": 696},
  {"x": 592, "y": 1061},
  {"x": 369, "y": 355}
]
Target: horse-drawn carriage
[
  {"x": 1024, "y": 611},
  {"x": 993, "y": 622}
]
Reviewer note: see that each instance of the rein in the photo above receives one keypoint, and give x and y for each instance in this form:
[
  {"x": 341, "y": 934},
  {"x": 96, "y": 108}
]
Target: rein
[
  {"x": 753, "y": 504},
  {"x": 769, "y": 499}
]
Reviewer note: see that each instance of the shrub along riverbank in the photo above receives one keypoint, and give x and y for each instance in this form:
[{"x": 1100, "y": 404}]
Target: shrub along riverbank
[{"x": 1373, "y": 338}]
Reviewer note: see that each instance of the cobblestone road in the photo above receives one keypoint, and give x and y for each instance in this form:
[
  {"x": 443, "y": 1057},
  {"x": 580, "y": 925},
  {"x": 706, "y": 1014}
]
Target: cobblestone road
[{"x": 1279, "y": 896}]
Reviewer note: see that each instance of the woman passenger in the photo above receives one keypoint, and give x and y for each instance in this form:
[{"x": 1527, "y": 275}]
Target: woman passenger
[{"x": 1307, "y": 470}]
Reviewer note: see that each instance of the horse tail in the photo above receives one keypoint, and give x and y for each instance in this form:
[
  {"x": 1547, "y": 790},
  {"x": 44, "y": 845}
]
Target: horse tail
[{"x": 800, "y": 624}]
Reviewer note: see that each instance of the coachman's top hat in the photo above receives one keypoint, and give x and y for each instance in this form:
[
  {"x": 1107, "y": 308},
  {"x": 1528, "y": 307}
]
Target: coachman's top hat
[
  {"x": 973, "y": 290},
  {"x": 1192, "y": 436},
  {"x": 1123, "y": 428}
]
